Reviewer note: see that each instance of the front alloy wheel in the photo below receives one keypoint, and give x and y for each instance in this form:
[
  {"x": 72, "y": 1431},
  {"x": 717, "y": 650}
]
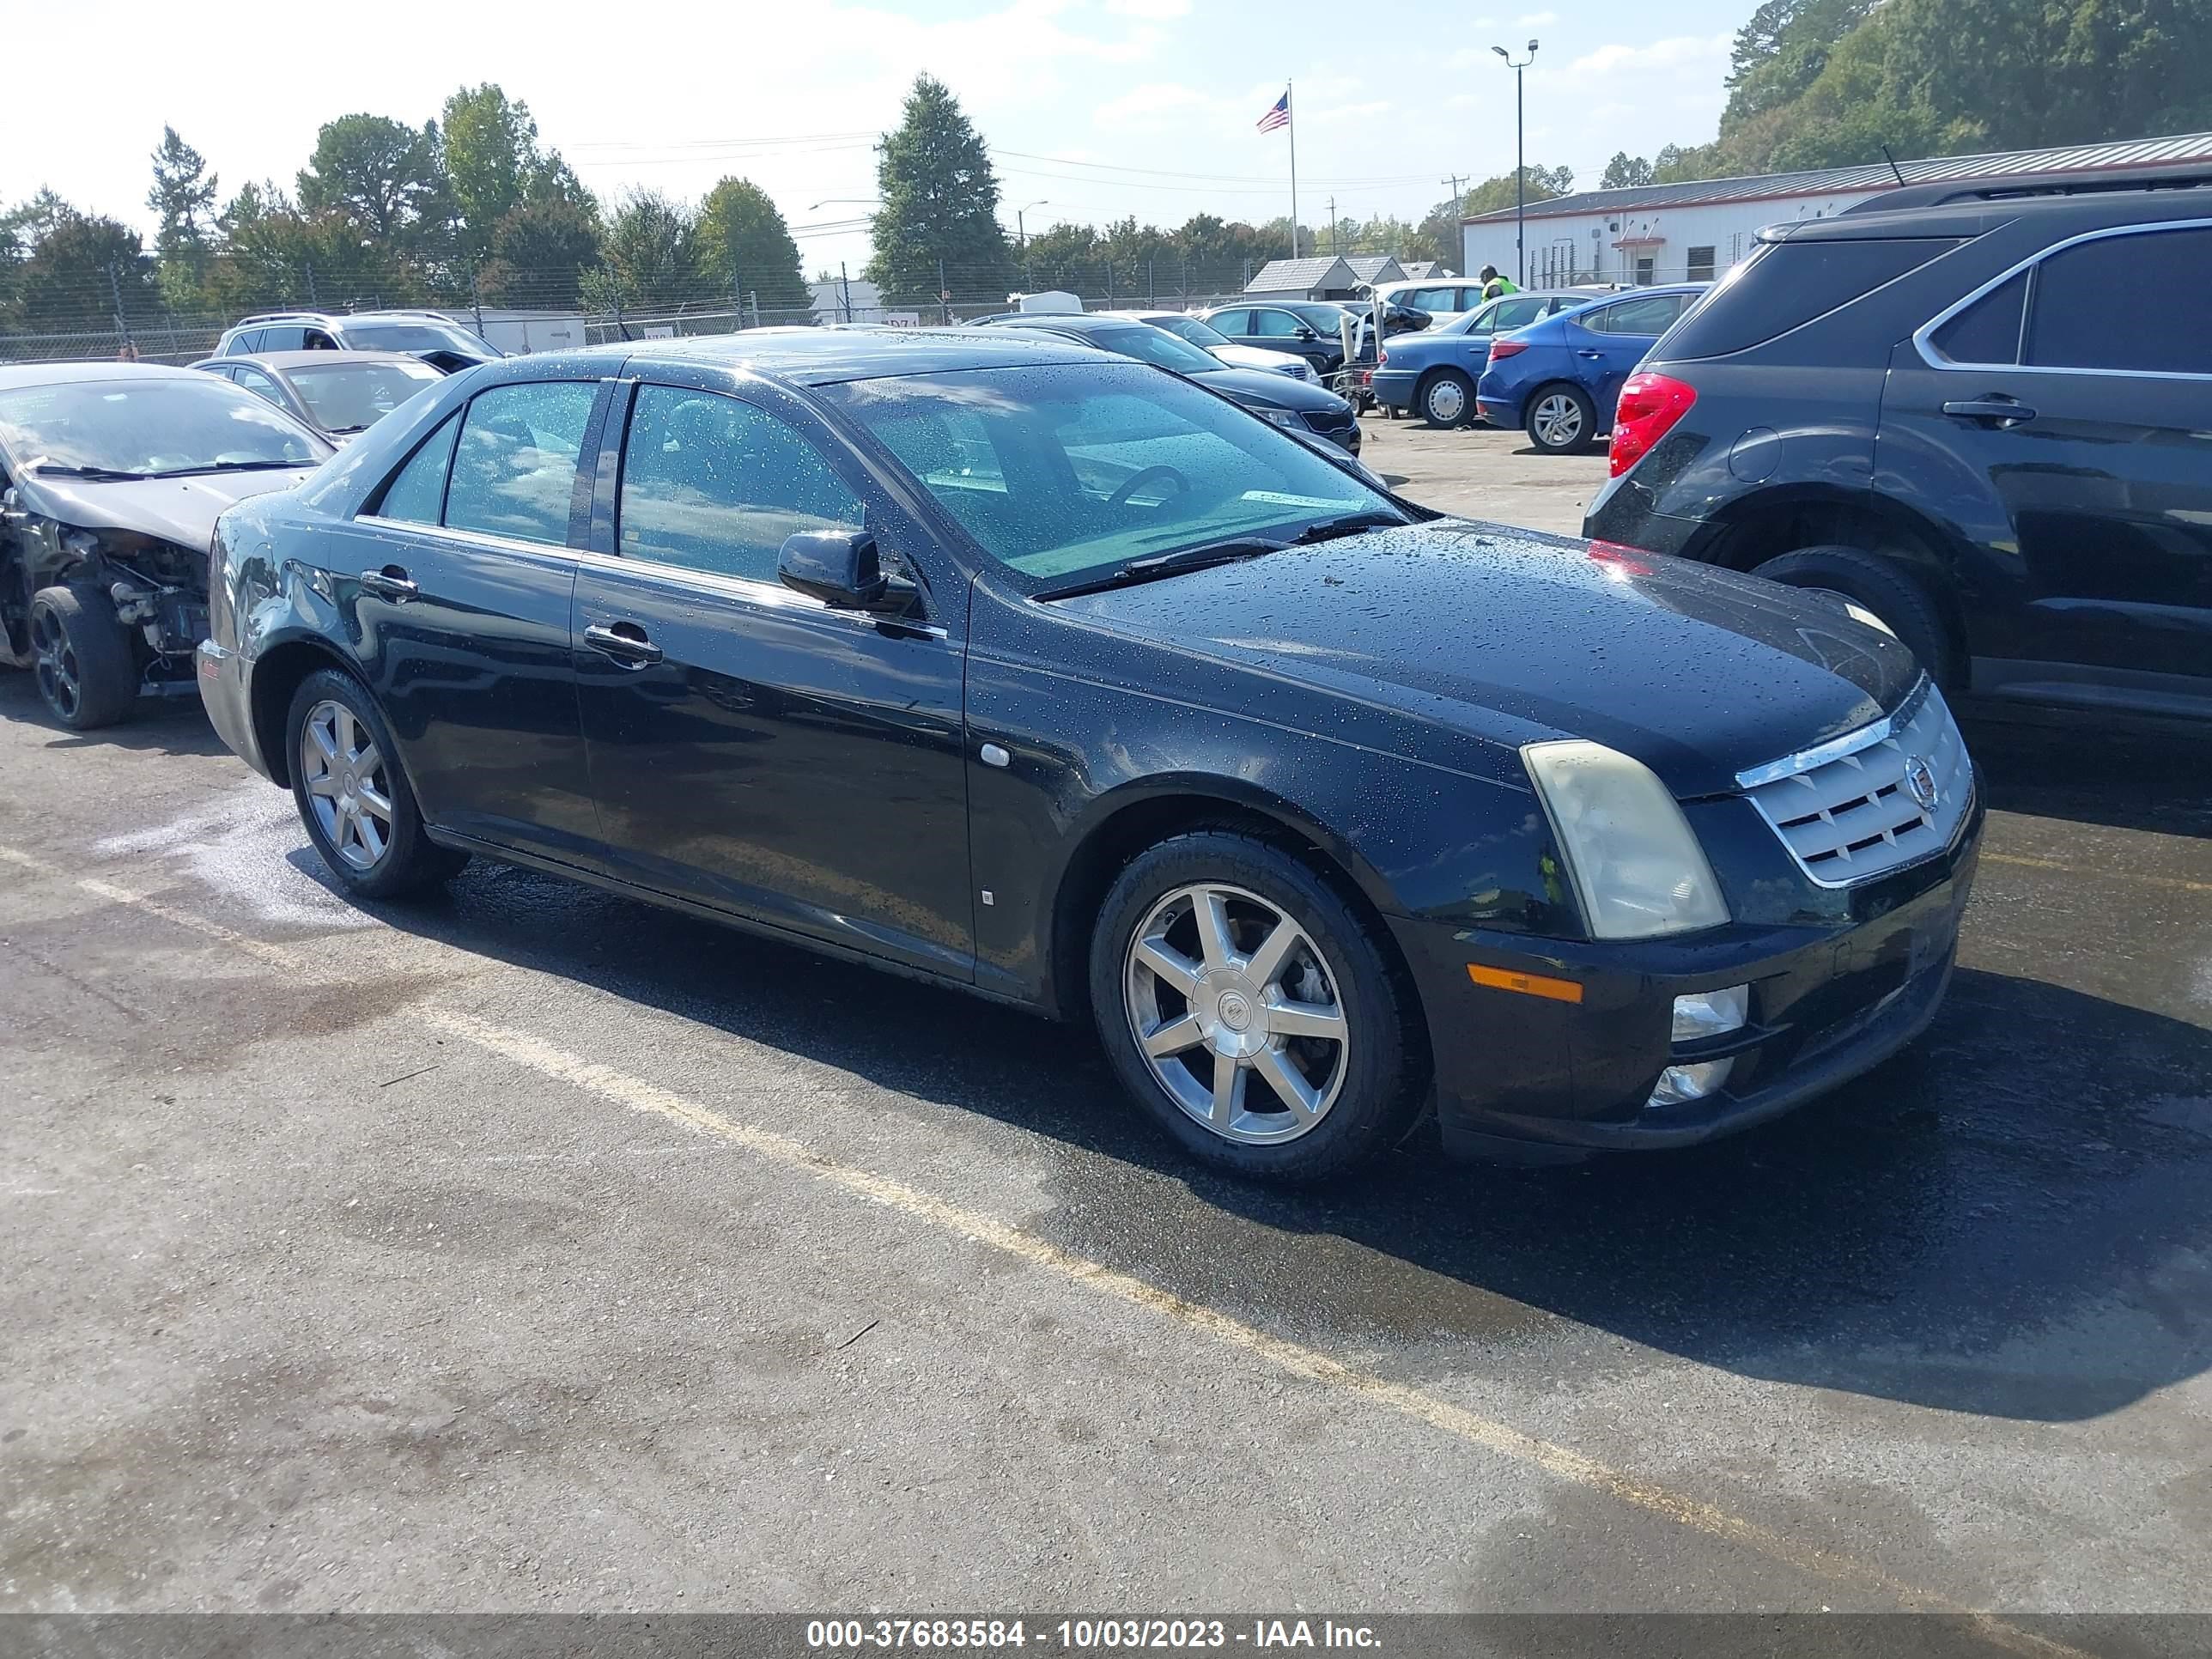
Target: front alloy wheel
[
  {"x": 342, "y": 771},
  {"x": 1236, "y": 1014}
]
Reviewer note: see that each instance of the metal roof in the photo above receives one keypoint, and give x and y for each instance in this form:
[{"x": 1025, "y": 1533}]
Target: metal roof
[
  {"x": 1296, "y": 275},
  {"x": 1829, "y": 181},
  {"x": 1369, "y": 267}
]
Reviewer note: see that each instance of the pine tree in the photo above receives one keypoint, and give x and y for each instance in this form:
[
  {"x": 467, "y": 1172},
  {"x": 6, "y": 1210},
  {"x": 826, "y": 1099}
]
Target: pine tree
[
  {"x": 743, "y": 240},
  {"x": 940, "y": 206},
  {"x": 184, "y": 195}
]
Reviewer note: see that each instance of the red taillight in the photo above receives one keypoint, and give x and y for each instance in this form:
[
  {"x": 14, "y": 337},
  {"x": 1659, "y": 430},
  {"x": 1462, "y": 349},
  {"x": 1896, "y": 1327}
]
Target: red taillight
[
  {"x": 1650, "y": 405},
  {"x": 1381, "y": 358},
  {"x": 1507, "y": 348}
]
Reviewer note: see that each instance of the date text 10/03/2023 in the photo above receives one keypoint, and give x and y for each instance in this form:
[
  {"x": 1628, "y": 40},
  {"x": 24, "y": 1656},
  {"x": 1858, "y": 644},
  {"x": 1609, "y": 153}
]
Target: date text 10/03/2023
[{"x": 1086, "y": 1635}]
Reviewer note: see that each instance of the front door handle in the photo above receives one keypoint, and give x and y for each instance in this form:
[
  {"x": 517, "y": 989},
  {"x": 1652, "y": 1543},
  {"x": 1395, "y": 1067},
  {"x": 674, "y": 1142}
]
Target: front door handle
[
  {"x": 1592, "y": 355},
  {"x": 625, "y": 643},
  {"x": 390, "y": 583},
  {"x": 1993, "y": 412}
]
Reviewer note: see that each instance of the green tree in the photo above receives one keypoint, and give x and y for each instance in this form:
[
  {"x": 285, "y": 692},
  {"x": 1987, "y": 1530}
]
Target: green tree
[
  {"x": 743, "y": 240},
  {"x": 1439, "y": 236},
  {"x": 184, "y": 195},
  {"x": 491, "y": 152},
  {"x": 649, "y": 255},
  {"x": 83, "y": 269},
  {"x": 384, "y": 177},
  {"x": 540, "y": 251},
  {"x": 1625, "y": 172},
  {"x": 940, "y": 209},
  {"x": 1544, "y": 183},
  {"x": 274, "y": 254}
]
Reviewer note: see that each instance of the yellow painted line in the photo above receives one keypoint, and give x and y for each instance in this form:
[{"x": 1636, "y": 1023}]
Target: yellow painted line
[
  {"x": 637, "y": 1094},
  {"x": 2179, "y": 884}
]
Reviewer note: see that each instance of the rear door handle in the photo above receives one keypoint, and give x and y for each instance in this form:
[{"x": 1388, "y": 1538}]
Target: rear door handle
[
  {"x": 625, "y": 643},
  {"x": 1995, "y": 411},
  {"x": 390, "y": 583}
]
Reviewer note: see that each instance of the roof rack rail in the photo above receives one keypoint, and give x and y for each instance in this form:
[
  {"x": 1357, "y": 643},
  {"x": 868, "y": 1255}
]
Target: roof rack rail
[{"x": 2007, "y": 187}]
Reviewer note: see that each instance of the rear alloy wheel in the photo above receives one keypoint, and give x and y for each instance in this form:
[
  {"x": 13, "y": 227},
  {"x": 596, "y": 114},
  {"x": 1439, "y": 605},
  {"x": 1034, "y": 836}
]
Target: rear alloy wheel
[
  {"x": 80, "y": 657},
  {"x": 1447, "y": 399},
  {"x": 1879, "y": 584},
  {"x": 352, "y": 796},
  {"x": 1250, "y": 1010},
  {"x": 1561, "y": 421}
]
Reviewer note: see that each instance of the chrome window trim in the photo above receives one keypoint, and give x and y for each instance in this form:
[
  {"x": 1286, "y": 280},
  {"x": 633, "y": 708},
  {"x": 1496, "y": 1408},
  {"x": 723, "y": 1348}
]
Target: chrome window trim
[
  {"x": 1805, "y": 760},
  {"x": 1924, "y": 336}
]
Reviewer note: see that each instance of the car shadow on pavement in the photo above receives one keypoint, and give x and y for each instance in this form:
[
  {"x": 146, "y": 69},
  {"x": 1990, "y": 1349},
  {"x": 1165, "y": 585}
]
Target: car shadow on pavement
[
  {"x": 2007, "y": 1219},
  {"x": 175, "y": 726},
  {"x": 2088, "y": 769}
]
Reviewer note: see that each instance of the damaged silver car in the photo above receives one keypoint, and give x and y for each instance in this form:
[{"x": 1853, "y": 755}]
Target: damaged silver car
[{"x": 112, "y": 477}]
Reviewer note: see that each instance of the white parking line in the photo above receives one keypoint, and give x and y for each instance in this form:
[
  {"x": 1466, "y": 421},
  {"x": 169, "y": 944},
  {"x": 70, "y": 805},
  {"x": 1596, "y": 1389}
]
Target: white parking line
[{"x": 638, "y": 1094}]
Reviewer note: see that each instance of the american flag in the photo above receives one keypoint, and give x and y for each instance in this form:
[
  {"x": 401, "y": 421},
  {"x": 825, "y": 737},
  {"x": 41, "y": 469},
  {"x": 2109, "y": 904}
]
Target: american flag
[{"x": 1280, "y": 115}]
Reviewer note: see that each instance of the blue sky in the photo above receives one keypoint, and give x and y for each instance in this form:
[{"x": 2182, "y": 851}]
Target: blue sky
[{"x": 1099, "y": 108}]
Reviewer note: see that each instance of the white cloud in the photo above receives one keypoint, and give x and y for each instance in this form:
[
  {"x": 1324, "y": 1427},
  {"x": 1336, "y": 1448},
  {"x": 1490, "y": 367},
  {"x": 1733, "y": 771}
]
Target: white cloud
[
  {"x": 1153, "y": 98},
  {"x": 1158, "y": 10},
  {"x": 1536, "y": 20},
  {"x": 1352, "y": 112},
  {"x": 1691, "y": 52}
]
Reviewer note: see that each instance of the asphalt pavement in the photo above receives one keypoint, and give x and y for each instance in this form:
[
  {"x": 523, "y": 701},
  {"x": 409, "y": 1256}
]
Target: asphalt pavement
[{"x": 526, "y": 1247}]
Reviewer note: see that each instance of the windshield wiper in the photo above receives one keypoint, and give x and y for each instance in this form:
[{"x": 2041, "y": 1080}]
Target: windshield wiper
[
  {"x": 1351, "y": 524},
  {"x": 100, "y": 474},
  {"x": 229, "y": 466},
  {"x": 1167, "y": 565}
]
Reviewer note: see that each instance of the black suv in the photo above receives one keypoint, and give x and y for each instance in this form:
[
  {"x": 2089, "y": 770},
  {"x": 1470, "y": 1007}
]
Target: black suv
[{"x": 1982, "y": 412}]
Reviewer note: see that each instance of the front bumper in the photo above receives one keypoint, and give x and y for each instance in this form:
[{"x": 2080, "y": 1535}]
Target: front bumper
[
  {"x": 1827, "y": 1004},
  {"x": 229, "y": 701}
]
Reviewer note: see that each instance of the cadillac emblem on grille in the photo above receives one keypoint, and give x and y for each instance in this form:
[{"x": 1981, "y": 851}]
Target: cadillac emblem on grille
[{"x": 1920, "y": 783}]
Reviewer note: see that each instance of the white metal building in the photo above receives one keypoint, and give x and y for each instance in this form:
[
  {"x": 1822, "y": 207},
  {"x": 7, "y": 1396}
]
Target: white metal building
[{"x": 1693, "y": 232}]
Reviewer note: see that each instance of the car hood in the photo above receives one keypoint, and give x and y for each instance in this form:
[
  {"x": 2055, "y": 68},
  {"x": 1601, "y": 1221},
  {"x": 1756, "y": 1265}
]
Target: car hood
[
  {"x": 1252, "y": 385},
  {"x": 1271, "y": 363},
  {"x": 180, "y": 510},
  {"x": 1518, "y": 637}
]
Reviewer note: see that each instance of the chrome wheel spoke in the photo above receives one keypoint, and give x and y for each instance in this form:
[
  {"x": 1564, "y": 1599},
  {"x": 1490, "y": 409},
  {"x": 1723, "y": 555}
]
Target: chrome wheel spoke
[
  {"x": 369, "y": 761},
  {"x": 323, "y": 784},
  {"x": 1157, "y": 955},
  {"x": 324, "y": 741},
  {"x": 375, "y": 800},
  {"x": 1230, "y": 1077},
  {"x": 1174, "y": 1036},
  {"x": 371, "y": 837},
  {"x": 1305, "y": 1019},
  {"x": 1211, "y": 911},
  {"x": 1288, "y": 1082},
  {"x": 1266, "y": 963}
]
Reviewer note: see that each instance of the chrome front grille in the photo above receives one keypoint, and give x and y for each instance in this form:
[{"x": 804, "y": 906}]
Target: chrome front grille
[{"x": 1860, "y": 806}]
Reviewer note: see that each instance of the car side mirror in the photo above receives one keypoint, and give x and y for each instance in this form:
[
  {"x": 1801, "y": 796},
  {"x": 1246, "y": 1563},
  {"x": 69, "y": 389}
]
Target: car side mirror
[
  {"x": 841, "y": 568},
  {"x": 1305, "y": 333}
]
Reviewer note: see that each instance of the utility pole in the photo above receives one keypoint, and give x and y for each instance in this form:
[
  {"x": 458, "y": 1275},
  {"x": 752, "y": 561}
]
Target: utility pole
[
  {"x": 845, "y": 290},
  {"x": 1459, "y": 220},
  {"x": 476, "y": 299},
  {"x": 1333, "y": 246},
  {"x": 1520, "y": 167},
  {"x": 943, "y": 297}
]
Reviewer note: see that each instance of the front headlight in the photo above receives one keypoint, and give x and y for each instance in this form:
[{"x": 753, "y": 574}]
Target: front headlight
[
  {"x": 1633, "y": 859},
  {"x": 1276, "y": 416}
]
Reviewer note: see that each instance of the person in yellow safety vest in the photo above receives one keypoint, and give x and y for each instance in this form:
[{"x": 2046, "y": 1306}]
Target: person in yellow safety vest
[{"x": 1493, "y": 284}]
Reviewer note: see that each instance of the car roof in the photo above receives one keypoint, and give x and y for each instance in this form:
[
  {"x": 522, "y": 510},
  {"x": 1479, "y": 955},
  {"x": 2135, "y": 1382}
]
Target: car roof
[
  {"x": 1899, "y": 213},
  {"x": 823, "y": 357},
  {"x": 67, "y": 374},
  {"x": 289, "y": 360}
]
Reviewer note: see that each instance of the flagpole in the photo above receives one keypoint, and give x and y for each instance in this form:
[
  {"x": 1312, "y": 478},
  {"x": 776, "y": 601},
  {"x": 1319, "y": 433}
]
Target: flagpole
[{"x": 1291, "y": 112}]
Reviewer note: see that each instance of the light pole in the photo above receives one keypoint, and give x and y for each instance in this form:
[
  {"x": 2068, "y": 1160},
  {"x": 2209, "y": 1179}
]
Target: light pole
[
  {"x": 1520, "y": 168},
  {"x": 1021, "y": 232}
]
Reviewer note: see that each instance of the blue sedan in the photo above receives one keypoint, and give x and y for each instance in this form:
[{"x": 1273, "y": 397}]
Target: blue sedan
[
  {"x": 1433, "y": 372},
  {"x": 1559, "y": 378}
]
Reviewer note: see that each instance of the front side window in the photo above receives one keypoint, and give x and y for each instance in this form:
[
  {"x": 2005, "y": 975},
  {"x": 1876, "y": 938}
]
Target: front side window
[
  {"x": 2130, "y": 303},
  {"x": 259, "y": 385},
  {"x": 712, "y": 484},
  {"x": 1063, "y": 471},
  {"x": 155, "y": 426},
  {"x": 290, "y": 337},
  {"x": 417, "y": 495},
  {"x": 515, "y": 468}
]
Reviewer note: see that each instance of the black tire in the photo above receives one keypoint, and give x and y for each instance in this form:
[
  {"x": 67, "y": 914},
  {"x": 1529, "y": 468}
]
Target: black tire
[
  {"x": 1884, "y": 587},
  {"x": 409, "y": 860},
  {"x": 87, "y": 673},
  {"x": 1369, "y": 1086},
  {"x": 1565, "y": 436},
  {"x": 1446, "y": 398}
]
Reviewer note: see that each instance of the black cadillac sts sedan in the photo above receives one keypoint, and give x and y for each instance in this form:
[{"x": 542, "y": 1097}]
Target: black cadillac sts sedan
[{"x": 1008, "y": 664}]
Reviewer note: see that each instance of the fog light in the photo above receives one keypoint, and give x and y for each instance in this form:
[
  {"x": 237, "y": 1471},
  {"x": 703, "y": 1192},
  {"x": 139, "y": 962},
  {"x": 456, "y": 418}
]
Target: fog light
[
  {"x": 1679, "y": 1082},
  {"x": 1703, "y": 1014}
]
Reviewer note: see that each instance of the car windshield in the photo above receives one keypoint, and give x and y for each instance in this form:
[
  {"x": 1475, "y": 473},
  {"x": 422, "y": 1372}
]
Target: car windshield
[
  {"x": 1204, "y": 336},
  {"x": 1148, "y": 344},
  {"x": 1064, "y": 470},
  {"x": 414, "y": 336},
  {"x": 149, "y": 428},
  {"x": 348, "y": 396}
]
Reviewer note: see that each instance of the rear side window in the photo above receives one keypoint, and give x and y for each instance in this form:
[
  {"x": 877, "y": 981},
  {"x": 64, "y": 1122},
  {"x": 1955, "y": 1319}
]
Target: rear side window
[
  {"x": 244, "y": 344},
  {"x": 417, "y": 495},
  {"x": 1988, "y": 331},
  {"x": 515, "y": 468},
  {"x": 1653, "y": 314},
  {"x": 1514, "y": 313},
  {"x": 1785, "y": 285},
  {"x": 2130, "y": 303}
]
